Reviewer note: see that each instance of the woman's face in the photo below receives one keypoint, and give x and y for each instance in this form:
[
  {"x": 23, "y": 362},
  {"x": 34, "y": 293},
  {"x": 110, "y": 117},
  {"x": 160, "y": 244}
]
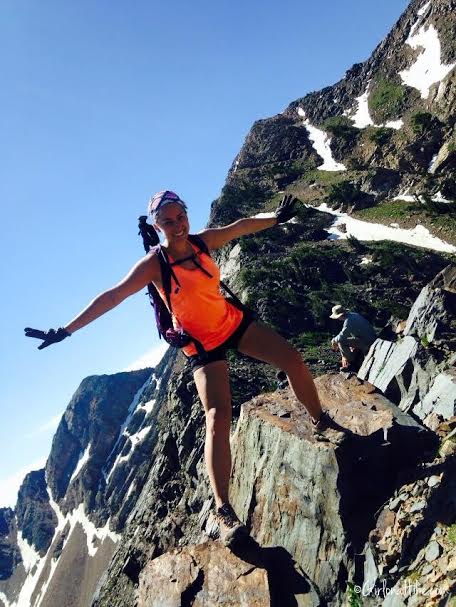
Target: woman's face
[{"x": 172, "y": 220}]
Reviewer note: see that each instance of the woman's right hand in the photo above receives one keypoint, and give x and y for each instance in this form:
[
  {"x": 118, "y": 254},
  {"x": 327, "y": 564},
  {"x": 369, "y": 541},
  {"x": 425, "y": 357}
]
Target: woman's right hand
[{"x": 49, "y": 337}]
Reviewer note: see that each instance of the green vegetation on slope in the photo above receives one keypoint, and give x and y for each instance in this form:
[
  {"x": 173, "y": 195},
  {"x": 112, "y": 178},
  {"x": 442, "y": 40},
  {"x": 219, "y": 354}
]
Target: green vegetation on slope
[{"x": 386, "y": 100}]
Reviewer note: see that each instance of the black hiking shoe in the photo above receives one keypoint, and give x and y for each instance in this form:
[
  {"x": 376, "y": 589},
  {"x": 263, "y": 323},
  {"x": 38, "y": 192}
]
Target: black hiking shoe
[
  {"x": 323, "y": 423},
  {"x": 230, "y": 527},
  {"x": 326, "y": 422}
]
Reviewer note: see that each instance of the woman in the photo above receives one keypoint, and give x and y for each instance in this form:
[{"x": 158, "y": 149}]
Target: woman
[{"x": 200, "y": 309}]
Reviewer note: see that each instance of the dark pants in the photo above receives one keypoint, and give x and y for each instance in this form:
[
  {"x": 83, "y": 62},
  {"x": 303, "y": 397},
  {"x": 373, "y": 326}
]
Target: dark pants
[{"x": 360, "y": 349}]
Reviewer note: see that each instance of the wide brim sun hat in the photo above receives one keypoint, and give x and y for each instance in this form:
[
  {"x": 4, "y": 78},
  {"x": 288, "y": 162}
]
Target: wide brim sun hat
[{"x": 337, "y": 312}]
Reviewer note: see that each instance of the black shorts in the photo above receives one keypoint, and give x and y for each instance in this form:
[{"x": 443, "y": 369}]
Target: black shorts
[{"x": 219, "y": 353}]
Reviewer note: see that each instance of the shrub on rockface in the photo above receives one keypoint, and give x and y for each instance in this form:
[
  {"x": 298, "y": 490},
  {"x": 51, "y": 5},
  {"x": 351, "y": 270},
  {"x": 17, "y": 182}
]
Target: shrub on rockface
[
  {"x": 386, "y": 100},
  {"x": 423, "y": 123},
  {"x": 435, "y": 207},
  {"x": 281, "y": 174},
  {"x": 343, "y": 194},
  {"x": 448, "y": 188},
  {"x": 356, "y": 244},
  {"x": 308, "y": 225},
  {"x": 341, "y": 126},
  {"x": 379, "y": 135}
]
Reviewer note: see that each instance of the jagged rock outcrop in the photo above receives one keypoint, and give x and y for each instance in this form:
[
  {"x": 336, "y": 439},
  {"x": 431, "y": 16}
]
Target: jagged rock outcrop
[
  {"x": 411, "y": 554},
  {"x": 90, "y": 426},
  {"x": 432, "y": 317},
  {"x": 35, "y": 516},
  {"x": 416, "y": 371},
  {"x": 391, "y": 134}
]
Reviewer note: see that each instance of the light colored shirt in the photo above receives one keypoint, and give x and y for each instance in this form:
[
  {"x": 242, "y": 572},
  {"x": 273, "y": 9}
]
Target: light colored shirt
[{"x": 357, "y": 326}]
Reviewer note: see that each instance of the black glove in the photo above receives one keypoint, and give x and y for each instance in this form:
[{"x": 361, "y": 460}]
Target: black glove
[
  {"x": 49, "y": 337},
  {"x": 286, "y": 209}
]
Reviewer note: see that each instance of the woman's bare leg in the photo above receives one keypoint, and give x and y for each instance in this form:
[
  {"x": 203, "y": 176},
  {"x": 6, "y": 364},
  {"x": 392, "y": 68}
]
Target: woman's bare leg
[
  {"x": 265, "y": 344},
  {"x": 212, "y": 383}
]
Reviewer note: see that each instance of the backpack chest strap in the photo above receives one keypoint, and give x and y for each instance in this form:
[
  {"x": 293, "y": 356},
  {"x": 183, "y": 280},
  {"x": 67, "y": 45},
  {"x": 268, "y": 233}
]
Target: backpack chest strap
[{"x": 193, "y": 258}]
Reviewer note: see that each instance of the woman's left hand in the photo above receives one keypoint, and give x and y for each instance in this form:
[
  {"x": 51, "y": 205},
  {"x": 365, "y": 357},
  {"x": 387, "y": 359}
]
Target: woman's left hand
[{"x": 286, "y": 209}]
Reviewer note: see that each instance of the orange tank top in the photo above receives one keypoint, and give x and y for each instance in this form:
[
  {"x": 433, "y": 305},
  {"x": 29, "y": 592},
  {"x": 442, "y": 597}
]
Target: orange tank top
[{"x": 198, "y": 305}]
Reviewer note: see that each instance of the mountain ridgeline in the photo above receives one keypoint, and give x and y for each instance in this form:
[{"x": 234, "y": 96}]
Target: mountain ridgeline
[{"x": 122, "y": 513}]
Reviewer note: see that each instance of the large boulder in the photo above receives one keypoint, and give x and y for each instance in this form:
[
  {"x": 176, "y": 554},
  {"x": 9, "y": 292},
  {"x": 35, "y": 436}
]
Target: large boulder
[
  {"x": 432, "y": 317},
  {"x": 208, "y": 574},
  {"x": 295, "y": 489}
]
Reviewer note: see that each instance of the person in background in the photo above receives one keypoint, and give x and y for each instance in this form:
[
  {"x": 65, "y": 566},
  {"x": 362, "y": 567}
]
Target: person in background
[{"x": 355, "y": 338}]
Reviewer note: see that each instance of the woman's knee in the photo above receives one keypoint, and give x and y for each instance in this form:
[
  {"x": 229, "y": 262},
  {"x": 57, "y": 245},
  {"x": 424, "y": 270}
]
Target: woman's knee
[
  {"x": 293, "y": 361},
  {"x": 218, "y": 419}
]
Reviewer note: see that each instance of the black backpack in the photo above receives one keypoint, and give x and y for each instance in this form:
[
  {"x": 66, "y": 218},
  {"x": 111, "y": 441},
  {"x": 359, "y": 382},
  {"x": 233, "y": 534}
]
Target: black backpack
[{"x": 163, "y": 314}]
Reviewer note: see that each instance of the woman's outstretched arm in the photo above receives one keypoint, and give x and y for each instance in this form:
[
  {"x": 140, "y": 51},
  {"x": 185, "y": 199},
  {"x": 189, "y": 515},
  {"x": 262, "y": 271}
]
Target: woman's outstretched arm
[
  {"x": 218, "y": 237},
  {"x": 144, "y": 271}
]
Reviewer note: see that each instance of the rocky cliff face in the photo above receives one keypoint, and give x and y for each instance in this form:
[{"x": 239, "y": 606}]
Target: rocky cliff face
[
  {"x": 123, "y": 510},
  {"x": 64, "y": 524}
]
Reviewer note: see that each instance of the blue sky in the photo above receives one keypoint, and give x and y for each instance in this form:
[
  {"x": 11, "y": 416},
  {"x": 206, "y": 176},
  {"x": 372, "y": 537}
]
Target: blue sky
[{"x": 102, "y": 104}]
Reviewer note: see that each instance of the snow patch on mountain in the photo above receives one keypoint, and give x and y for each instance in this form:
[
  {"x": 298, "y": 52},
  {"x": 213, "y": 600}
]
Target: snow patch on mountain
[
  {"x": 4, "y": 600},
  {"x": 394, "y": 124},
  {"x": 122, "y": 432},
  {"x": 30, "y": 556},
  {"x": 44, "y": 587},
  {"x": 427, "y": 69},
  {"x": 361, "y": 118},
  {"x": 321, "y": 143},
  {"x": 418, "y": 236},
  {"x": 406, "y": 197},
  {"x": 148, "y": 406},
  {"x": 83, "y": 458},
  {"x": 92, "y": 533},
  {"x": 33, "y": 573},
  {"x": 437, "y": 197}
]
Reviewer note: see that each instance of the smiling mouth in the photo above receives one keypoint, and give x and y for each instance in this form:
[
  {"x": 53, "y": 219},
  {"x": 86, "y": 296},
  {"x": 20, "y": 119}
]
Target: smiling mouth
[{"x": 180, "y": 233}]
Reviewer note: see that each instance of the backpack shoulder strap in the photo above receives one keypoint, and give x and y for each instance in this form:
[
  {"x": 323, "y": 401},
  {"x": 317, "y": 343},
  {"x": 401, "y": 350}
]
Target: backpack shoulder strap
[
  {"x": 199, "y": 242},
  {"x": 167, "y": 273}
]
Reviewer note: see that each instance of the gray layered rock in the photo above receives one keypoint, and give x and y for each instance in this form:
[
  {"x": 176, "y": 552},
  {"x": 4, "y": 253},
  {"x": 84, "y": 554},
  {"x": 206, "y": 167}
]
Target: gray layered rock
[
  {"x": 415, "y": 372},
  {"x": 441, "y": 397},
  {"x": 386, "y": 362},
  {"x": 432, "y": 317}
]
